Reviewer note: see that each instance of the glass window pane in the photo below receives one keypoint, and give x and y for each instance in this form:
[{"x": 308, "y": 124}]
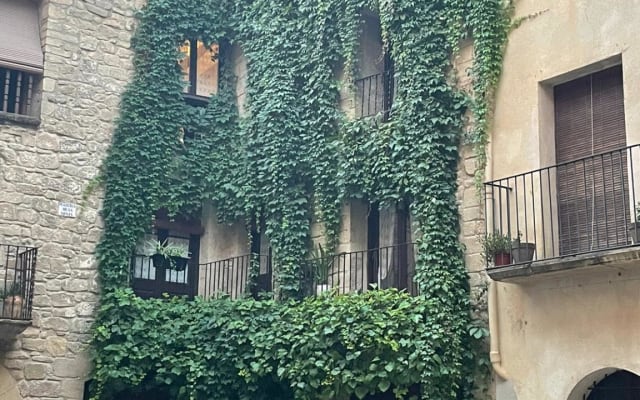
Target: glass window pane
[
  {"x": 207, "y": 69},
  {"x": 184, "y": 63},
  {"x": 143, "y": 267}
]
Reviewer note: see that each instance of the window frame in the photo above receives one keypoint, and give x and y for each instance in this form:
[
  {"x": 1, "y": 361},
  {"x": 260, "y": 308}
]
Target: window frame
[{"x": 190, "y": 94}]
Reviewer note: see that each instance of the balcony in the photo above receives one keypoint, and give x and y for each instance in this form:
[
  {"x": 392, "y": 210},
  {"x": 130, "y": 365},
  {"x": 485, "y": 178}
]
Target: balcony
[
  {"x": 570, "y": 215},
  {"x": 385, "y": 267},
  {"x": 17, "y": 271}
]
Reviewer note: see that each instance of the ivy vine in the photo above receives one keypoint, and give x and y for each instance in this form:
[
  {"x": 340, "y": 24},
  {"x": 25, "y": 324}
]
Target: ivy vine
[{"x": 292, "y": 157}]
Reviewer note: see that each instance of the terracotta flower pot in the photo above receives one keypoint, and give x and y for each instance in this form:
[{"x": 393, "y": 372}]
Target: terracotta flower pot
[
  {"x": 12, "y": 307},
  {"x": 502, "y": 259}
]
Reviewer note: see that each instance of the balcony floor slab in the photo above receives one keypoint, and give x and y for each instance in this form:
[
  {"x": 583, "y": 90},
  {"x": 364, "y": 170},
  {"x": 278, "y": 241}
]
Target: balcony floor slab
[
  {"x": 520, "y": 273},
  {"x": 10, "y": 328}
]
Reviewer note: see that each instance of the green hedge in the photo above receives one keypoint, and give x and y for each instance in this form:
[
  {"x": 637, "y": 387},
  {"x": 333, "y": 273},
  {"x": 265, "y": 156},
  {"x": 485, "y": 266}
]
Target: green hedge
[{"x": 329, "y": 347}]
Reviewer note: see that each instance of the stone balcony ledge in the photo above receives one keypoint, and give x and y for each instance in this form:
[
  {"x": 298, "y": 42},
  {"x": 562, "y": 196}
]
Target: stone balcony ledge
[
  {"x": 10, "y": 328},
  {"x": 521, "y": 272}
]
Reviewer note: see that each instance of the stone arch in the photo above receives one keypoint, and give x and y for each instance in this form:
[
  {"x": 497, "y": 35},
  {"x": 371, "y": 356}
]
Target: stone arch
[
  {"x": 583, "y": 388},
  {"x": 8, "y": 386}
]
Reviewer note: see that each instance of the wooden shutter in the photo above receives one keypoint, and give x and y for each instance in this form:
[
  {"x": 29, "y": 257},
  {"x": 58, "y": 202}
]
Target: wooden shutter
[
  {"x": 592, "y": 192},
  {"x": 20, "y": 36}
]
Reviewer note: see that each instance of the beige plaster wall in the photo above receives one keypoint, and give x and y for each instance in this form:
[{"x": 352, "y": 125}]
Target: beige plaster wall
[
  {"x": 219, "y": 242},
  {"x": 8, "y": 386},
  {"x": 560, "y": 41},
  {"x": 556, "y": 330}
]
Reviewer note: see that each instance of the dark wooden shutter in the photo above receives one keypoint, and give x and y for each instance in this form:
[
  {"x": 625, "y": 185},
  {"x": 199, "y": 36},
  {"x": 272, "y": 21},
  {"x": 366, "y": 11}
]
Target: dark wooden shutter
[{"x": 592, "y": 191}]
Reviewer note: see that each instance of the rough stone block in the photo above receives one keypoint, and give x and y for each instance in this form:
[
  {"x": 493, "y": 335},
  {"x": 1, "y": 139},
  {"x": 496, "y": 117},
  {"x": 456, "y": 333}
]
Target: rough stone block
[
  {"x": 56, "y": 346},
  {"x": 66, "y": 368},
  {"x": 43, "y": 388},
  {"x": 56, "y": 323},
  {"x": 35, "y": 371}
]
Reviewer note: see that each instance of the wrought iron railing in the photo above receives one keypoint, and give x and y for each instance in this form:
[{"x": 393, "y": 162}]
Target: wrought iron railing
[
  {"x": 17, "y": 272},
  {"x": 232, "y": 277},
  {"x": 16, "y": 91},
  {"x": 375, "y": 94},
  {"x": 573, "y": 208},
  {"x": 358, "y": 271},
  {"x": 386, "y": 267}
]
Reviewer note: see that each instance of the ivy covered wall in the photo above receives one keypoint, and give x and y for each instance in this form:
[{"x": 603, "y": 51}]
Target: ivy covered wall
[{"x": 294, "y": 155}]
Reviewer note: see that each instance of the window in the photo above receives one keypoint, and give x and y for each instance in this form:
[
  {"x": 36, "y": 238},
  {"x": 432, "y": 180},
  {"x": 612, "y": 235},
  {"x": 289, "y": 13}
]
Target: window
[
  {"x": 199, "y": 65},
  {"x": 151, "y": 279},
  {"x": 592, "y": 193},
  {"x": 21, "y": 60},
  {"x": 375, "y": 89}
]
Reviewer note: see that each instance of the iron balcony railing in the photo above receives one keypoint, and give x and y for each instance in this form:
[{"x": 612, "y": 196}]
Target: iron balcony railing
[
  {"x": 573, "y": 208},
  {"x": 385, "y": 267},
  {"x": 375, "y": 94},
  {"x": 358, "y": 271},
  {"x": 17, "y": 272},
  {"x": 232, "y": 277}
]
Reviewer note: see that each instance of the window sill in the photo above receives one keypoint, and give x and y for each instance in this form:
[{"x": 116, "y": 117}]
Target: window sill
[
  {"x": 19, "y": 119},
  {"x": 195, "y": 100}
]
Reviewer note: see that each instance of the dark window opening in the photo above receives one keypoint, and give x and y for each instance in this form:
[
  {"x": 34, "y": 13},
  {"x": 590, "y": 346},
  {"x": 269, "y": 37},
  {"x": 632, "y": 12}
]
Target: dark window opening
[
  {"x": 375, "y": 89},
  {"x": 264, "y": 280},
  {"x": 152, "y": 280},
  {"x": 390, "y": 261},
  {"x": 17, "y": 91}
]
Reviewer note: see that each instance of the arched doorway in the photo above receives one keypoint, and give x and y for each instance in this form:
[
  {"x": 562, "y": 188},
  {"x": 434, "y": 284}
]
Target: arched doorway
[{"x": 620, "y": 385}]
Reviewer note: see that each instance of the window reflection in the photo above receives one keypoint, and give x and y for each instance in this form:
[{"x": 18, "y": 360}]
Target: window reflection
[{"x": 202, "y": 80}]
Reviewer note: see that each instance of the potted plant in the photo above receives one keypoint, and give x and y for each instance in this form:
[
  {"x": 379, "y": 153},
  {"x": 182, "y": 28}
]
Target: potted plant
[
  {"x": 634, "y": 227},
  {"x": 167, "y": 255},
  {"x": 496, "y": 247},
  {"x": 522, "y": 252},
  {"x": 11, "y": 301},
  {"x": 321, "y": 265}
]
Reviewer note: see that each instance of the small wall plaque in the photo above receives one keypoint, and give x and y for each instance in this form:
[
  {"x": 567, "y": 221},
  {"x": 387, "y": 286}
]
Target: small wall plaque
[{"x": 67, "y": 210}]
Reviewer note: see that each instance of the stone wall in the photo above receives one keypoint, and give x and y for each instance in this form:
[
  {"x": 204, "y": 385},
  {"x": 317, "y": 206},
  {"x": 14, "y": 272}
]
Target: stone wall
[
  {"x": 87, "y": 66},
  {"x": 471, "y": 206}
]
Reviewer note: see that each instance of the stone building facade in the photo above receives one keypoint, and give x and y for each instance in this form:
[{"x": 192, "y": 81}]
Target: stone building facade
[
  {"x": 50, "y": 156},
  {"x": 47, "y": 160}
]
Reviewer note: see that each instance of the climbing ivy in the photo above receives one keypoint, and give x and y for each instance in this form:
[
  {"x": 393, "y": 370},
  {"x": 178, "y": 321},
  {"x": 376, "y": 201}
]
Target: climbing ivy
[
  {"x": 489, "y": 24},
  {"x": 322, "y": 348},
  {"x": 294, "y": 156}
]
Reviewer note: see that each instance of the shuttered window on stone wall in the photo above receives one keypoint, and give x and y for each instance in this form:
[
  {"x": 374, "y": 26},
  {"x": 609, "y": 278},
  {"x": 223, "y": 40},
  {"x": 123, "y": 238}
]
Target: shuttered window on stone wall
[
  {"x": 592, "y": 185},
  {"x": 21, "y": 58}
]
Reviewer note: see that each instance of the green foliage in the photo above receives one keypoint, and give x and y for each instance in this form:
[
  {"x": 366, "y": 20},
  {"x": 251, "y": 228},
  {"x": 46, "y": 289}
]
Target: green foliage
[
  {"x": 495, "y": 243},
  {"x": 489, "y": 23},
  {"x": 166, "y": 249},
  {"x": 291, "y": 158},
  {"x": 13, "y": 289},
  {"x": 320, "y": 348}
]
